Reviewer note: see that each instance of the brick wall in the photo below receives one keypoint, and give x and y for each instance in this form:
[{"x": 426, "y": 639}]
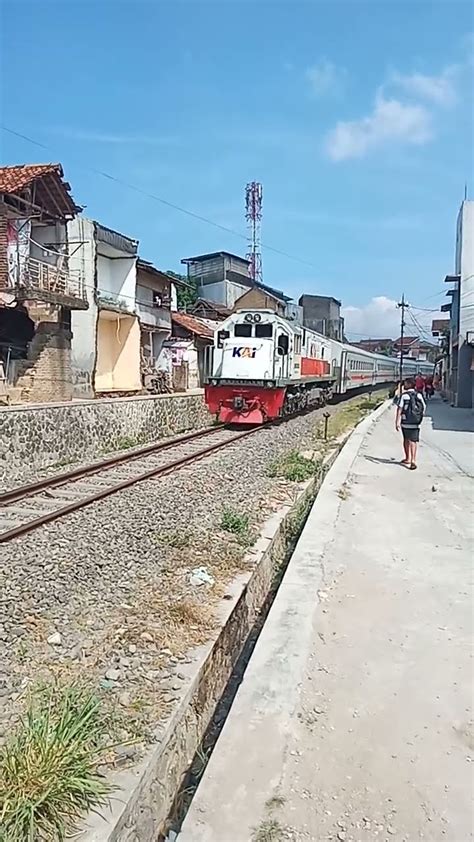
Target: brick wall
[{"x": 46, "y": 375}]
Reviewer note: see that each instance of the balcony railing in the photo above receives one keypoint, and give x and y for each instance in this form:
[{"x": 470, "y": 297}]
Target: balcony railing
[
  {"x": 54, "y": 284},
  {"x": 154, "y": 315}
]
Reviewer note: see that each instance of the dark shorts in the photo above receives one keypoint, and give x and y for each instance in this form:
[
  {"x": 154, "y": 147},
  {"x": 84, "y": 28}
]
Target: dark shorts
[{"x": 411, "y": 434}]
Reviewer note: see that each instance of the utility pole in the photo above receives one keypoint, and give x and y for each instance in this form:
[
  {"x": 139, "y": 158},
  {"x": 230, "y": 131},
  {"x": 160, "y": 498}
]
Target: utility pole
[{"x": 402, "y": 305}]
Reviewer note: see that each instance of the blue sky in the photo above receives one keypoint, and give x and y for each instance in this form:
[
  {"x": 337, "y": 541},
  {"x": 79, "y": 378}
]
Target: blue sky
[{"x": 355, "y": 116}]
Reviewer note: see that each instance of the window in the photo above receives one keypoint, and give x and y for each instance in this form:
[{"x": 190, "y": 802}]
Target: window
[
  {"x": 304, "y": 337},
  {"x": 263, "y": 331},
  {"x": 157, "y": 298},
  {"x": 223, "y": 334},
  {"x": 322, "y": 352},
  {"x": 283, "y": 343},
  {"x": 241, "y": 330},
  {"x": 297, "y": 344}
]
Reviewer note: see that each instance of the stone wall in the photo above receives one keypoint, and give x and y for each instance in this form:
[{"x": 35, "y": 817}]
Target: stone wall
[{"x": 32, "y": 438}]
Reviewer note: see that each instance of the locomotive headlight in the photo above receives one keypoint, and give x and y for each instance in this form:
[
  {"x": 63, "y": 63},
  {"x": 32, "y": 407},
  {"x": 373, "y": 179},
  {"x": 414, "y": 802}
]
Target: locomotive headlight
[
  {"x": 257, "y": 317},
  {"x": 248, "y": 317}
]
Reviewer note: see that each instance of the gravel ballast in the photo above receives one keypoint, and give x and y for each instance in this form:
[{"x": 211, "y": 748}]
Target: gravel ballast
[{"x": 107, "y": 595}]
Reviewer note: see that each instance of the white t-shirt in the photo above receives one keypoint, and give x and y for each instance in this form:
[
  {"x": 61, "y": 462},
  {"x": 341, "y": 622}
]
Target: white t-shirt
[{"x": 403, "y": 406}]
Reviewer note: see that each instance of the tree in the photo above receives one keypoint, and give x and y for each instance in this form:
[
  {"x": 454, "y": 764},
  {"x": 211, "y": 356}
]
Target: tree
[{"x": 186, "y": 295}]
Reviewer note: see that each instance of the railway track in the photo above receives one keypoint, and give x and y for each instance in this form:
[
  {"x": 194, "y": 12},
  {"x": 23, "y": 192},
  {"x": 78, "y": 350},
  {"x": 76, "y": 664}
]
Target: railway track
[{"x": 27, "y": 507}]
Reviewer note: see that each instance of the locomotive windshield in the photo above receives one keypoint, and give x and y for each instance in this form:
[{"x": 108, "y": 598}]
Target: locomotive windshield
[
  {"x": 263, "y": 331},
  {"x": 259, "y": 331}
]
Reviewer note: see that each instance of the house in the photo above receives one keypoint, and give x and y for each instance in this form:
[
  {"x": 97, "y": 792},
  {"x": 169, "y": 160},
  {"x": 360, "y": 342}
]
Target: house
[
  {"x": 415, "y": 348},
  {"x": 106, "y": 338},
  {"x": 36, "y": 272},
  {"x": 263, "y": 297},
  {"x": 375, "y": 346},
  {"x": 322, "y": 313},
  {"x": 209, "y": 310},
  {"x": 460, "y": 356},
  {"x": 439, "y": 327},
  {"x": 155, "y": 299},
  {"x": 191, "y": 342},
  {"x": 219, "y": 276}
]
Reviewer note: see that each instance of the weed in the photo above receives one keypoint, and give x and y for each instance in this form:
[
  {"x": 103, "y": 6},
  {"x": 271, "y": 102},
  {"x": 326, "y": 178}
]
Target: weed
[
  {"x": 268, "y": 831},
  {"x": 176, "y": 540},
  {"x": 63, "y": 463},
  {"x": 343, "y": 492},
  {"x": 235, "y": 522},
  {"x": 293, "y": 467},
  {"x": 274, "y": 802},
  {"x": 124, "y": 443},
  {"x": 48, "y": 772}
]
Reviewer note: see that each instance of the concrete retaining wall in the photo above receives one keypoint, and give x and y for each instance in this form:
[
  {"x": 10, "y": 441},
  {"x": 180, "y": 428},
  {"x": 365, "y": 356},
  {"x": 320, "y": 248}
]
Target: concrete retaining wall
[{"x": 52, "y": 434}]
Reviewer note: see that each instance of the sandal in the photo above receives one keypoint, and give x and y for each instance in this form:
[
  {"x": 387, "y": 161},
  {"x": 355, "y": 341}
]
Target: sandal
[{"x": 413, "y": 467}]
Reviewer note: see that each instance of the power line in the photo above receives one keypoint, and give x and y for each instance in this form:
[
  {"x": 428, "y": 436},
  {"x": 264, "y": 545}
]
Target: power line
[{"x": 162, "y": 201}]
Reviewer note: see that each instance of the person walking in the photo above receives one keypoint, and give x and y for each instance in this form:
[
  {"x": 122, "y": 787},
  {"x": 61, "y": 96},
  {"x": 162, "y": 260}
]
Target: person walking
[
  {"x": 420, "y": 383},
  {"x": 410, "y": 411}
]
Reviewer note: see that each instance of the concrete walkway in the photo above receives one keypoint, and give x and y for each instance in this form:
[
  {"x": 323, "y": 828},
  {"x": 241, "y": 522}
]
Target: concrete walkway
[{"x": 354, "y": 719}]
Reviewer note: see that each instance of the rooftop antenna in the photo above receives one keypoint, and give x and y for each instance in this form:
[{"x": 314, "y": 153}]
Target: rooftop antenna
[
  {"x": 253, "y": 215},
  {"x": 465, "y": 191}
]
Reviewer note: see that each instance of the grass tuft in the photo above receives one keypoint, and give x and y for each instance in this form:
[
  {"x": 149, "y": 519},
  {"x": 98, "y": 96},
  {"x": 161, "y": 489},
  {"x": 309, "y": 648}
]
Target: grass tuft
[
  {"x": 268, "y": 831},
  {"x": 293, "y": 467},
  {"x": 48, "y": 775},
  {"x": 235, "y": 522}
]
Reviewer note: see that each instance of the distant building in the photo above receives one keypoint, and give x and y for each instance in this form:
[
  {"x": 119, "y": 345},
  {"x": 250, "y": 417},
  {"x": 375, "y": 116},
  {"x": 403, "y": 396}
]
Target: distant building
[
  {"x": 439, "y": 328},
  {"x": 220, "y": 276},
  {"x": 191, "y": 339},
  {"x": 416, "y": 348},
  {"x": 375, "y": 346},
  {"x": 263, "y": 298},
  {"x": 460, "y": 351},
  {"x": 322, "y": 313},
  {"x": 209, "y": 310}
]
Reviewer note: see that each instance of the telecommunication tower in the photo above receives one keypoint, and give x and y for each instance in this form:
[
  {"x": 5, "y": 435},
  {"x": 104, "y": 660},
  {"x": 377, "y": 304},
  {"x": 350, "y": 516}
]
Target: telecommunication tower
[{"x": 253, "y": 215}]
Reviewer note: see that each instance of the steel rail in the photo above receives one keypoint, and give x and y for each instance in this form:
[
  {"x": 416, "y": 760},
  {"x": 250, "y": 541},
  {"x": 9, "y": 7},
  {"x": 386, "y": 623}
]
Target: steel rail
[
  {"x": 29, "y": 526},
  {"x": 21, "y": 491}
]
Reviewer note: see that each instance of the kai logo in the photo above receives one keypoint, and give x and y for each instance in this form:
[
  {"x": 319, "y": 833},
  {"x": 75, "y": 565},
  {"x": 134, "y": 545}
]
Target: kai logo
[{"x": 243, "y": 351}]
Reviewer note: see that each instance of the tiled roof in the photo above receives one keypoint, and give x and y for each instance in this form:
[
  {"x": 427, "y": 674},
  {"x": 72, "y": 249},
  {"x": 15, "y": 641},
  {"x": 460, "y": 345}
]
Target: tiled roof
[
  {"x": 193, "y": 325},
  {"x": 56, "y": 198},
  {"x": 13, "y": 179},
  {"x": 407, "y": 340}
]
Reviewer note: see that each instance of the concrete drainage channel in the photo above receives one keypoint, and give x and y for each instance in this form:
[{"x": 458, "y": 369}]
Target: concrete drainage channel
[{"x": 152, "y": 799}]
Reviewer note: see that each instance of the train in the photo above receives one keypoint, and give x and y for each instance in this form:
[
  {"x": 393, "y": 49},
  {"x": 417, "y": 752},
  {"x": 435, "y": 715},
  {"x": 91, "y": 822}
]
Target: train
[{"x": 262, "y": 366}]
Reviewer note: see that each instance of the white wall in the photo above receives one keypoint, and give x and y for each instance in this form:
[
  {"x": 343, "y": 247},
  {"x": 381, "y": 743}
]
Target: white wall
[
  {"x": 47, "y": 234},
  {"x": 116, "y": 276},
  {"x": 222, "y": 292},
  {"x": 84, "y": 322}
]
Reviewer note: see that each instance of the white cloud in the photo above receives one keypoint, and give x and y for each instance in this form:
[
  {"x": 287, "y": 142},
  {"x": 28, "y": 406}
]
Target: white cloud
[
  {"x": 437, "y": 89},
  {"x": 379, "y": 319},
  {"x": 325, "y": 78},
  {"x": 390, "y": 121}
]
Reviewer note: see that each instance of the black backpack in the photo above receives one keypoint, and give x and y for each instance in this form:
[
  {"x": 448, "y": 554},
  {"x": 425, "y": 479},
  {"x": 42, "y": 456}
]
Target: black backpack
[{"x": 414, "y": 411}]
